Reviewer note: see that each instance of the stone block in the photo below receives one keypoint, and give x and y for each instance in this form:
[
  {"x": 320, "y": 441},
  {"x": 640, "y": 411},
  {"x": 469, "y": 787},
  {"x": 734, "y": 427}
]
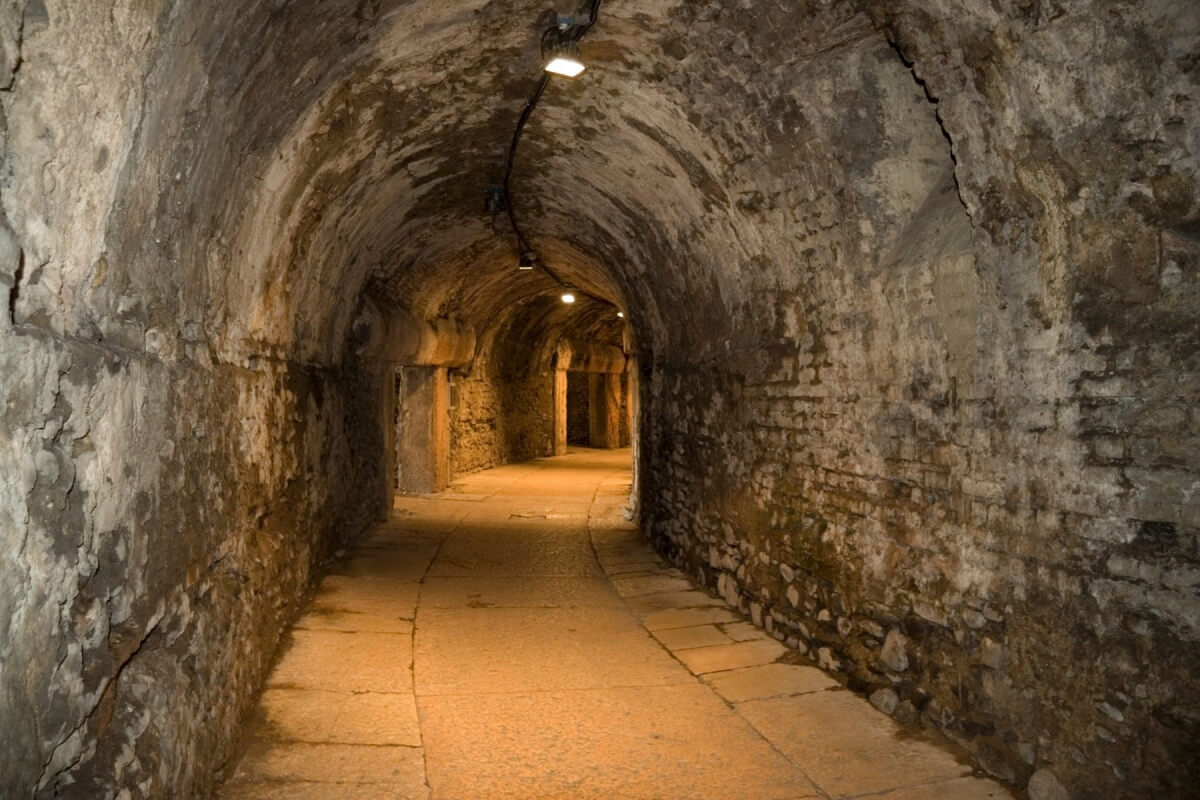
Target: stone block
[
  {"x": 885, "y": 700},
  {"x": 894, "y": 653},
  {"x": 1043, "y": 785},
  {"x": 756, "y": 652},
  {"x": 769, "y": 680},
  {"x": 685, "y": 638}
]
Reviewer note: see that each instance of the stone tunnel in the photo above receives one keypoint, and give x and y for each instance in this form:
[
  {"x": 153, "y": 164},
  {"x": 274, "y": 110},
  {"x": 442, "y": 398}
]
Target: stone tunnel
[{"x": 896, "y": 302}]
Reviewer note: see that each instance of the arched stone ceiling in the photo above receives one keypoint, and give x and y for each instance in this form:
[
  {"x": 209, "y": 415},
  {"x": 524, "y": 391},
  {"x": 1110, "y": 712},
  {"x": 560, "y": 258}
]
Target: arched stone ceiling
[
  {"x": 284, "y": 157},
  {"x": 320, "y": 154}
]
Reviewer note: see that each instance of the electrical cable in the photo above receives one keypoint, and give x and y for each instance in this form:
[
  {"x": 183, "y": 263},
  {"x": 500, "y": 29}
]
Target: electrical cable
[
  {"x": 543, "y": 82},
  {"x": 593, "y": 13},
  {"x": 573, "y": 34}
]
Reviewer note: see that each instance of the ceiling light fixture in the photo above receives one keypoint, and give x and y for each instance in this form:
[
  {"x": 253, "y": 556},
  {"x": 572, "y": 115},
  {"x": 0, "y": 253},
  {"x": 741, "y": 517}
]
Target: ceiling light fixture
[
  {"x": 565, "y": 61},
  {"x": 560, "y": 56}
]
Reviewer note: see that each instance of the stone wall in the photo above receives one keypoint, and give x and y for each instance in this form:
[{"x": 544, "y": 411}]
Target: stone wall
[
  {"x": 161, "y": 522},
  {"x": 172, "y": 470},
  {"x": 500, "y": 419},
  {"x": 945, "y": 443}
]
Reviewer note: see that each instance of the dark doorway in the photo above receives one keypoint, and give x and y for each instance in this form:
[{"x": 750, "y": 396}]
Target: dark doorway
[{"x": 578, "y": 409}]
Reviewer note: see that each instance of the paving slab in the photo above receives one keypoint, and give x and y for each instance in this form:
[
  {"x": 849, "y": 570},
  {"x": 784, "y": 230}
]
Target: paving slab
[
  {"x": 323, "y": 717},
  {"x": 381, "y": 598},
  {"x": 769, "y": 680},
  {"x": 648, "y": 604},
  {"x": 618, "y": 558},
  {"x": 403, "y": 564},
  {"x": 613, "y": 535},
  {"x": 513, "y": 649},
  {"x": 744, "y": 632},
  {"x": 847, "y": 747},
  {"x": 268, "y": 761},
  {"x": 488, "y": 610},
  {"x": 701, "y": 660},
  {"x": 496, "y": 516},
  {"x": 635, "y": 568},
  {"x": 399, "y": 532},
  {"x": 687, "y": 617},
  {"x": 629, "y": 548},
  {"x": 698, "y": 636},
  {"x": 345, "y": 662},
  {"x": 650, "y": 584},
  {"x": 508, "y": 592},
  {"x": 511, "y": 554},
  {"x": 430, "y": 516},
  {"x": 652, "y": 743},
  {"x": 321, "y": 619},
  {"x": 296, "y": 790}
]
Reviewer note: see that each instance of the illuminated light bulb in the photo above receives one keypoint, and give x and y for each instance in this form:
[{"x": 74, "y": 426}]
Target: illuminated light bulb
[
  {"x": 568, "y": 298},
  {"x": 566, "y": 66},
  {"x": 565, "y": 60},
  {"x": 621, "y": 315}
]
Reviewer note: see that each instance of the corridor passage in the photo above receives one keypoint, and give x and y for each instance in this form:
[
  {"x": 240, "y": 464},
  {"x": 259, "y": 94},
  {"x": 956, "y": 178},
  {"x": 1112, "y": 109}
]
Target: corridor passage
[{"x": 514, "y": 637}]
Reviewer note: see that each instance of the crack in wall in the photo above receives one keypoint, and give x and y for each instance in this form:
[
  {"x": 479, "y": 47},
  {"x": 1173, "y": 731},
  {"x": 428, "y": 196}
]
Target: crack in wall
[
  {"x": 14, "y": 293},
  {"x": 34, "y": 11},
  {"x": 11, "y": 78},
  {"x": 937, "y": 115},
  {"x": 101, "y": 714}
]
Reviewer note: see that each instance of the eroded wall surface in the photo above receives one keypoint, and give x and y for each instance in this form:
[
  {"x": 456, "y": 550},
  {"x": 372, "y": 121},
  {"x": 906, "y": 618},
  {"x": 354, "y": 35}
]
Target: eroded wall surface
[
  {"x": 946, "y": 443},
  {"x": 168, "y": 483},
  {"x": 501, "y": 419}
]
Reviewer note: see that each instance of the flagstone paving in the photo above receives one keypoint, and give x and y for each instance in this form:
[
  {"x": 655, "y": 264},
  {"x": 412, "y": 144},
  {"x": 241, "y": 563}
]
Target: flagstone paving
[{"x": 515, "y": 637}]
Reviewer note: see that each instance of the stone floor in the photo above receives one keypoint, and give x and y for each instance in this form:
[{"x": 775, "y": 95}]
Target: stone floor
[{"x": 514, "y": 637}]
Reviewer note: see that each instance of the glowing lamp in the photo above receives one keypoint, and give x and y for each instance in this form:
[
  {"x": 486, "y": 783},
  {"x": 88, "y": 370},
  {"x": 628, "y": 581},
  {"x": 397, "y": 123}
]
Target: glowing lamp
[
  {"x": 567, "y": 67},
  {"x": 565, "y": 61}
]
